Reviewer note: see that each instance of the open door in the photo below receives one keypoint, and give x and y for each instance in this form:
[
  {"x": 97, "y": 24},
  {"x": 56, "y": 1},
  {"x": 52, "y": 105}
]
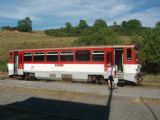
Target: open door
[
  {"x": 18, "y": 63},
  {"x": 118, "y": 53},
  {"x": 15, "y": 63}
]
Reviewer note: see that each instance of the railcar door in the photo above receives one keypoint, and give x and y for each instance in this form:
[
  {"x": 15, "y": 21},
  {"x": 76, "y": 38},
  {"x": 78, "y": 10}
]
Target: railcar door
[
  {"x": 15, "y": 63},
  {"x": 18, "y": 63},
  {"x": 118, "y": 55}
]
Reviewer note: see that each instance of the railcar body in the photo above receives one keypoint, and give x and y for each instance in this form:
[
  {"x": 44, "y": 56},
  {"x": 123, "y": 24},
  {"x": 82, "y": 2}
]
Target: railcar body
[{"x": 75, "y": 63}]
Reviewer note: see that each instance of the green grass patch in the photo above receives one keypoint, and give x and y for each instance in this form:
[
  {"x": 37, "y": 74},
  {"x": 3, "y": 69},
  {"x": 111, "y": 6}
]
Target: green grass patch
[
  {"x": 152, "y": 78},
  {"x": 3, "y": 65}
]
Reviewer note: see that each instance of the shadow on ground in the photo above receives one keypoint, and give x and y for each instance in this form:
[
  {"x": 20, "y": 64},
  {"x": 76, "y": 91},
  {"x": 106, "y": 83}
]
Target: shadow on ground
[{"x": 64, "y": 109}]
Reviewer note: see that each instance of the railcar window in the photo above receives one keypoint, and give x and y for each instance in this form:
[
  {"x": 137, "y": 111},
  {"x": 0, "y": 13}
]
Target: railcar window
[
  {"x": 98, "y": 55},
  {"x": 38, "y": 56},
  {"x": 52, "y": 56},
  {"x": 83, "y": 55},
  {"x": 67, "y": 56},
  {"x": 27, "y": 56},
  {"x": 129, "y": 51}
]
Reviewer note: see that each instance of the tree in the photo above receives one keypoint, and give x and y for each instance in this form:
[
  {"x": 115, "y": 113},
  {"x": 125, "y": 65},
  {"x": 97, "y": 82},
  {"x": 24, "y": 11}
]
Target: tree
[
  {"x": 24, "y": 25},
  {"x": 70, "y": 30},
  {"x": 114, "y": 23},
  {"x": 134, "y": 24},
  {"x": 68, "y": 27},
  {"x": 131, "y": 27},
  {"x": 149, "y": 50},
  {"x": 157, "y": 25},
  {"x": 99, "y": 23},
  {"x": 124, "y": 24},
  {"x": 8, "y": 28},
  {"x": 101, "y": 37},
  {"x": 82, "y": 25}
]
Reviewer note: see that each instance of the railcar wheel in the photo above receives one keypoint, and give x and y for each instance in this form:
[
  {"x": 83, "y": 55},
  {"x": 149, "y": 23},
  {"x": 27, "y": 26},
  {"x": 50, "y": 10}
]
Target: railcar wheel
[{"x": 101, "y": 80}]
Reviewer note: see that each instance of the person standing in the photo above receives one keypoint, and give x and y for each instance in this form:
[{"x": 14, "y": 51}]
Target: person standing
[
  {"x": 109, "y": 76},
  {"x": 115, "y": 79}
]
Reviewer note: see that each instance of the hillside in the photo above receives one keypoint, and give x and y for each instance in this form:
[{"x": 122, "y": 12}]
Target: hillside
[{"x": 18, "y": 40}]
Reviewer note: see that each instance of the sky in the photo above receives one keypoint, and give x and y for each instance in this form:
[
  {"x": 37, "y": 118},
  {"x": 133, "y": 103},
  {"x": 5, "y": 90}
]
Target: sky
[{"x": 46, "y": 14}]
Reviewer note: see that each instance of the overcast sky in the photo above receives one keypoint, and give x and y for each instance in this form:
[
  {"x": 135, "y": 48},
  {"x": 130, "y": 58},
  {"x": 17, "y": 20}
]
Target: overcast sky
[{"x": 55, "y": 13}]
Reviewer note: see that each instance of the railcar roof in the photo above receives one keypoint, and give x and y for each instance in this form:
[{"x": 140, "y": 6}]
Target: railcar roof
[{"x": 106, "y": 46}]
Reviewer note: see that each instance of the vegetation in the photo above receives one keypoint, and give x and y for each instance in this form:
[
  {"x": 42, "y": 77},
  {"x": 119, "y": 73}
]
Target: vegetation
[
  {"x": 8, "y": 28},
  {"x": 101, "y": 37},
  {"x": 24, "y": 25},
  {"x": 149, "y": 47},
  {"x": 3, "y": 64}
]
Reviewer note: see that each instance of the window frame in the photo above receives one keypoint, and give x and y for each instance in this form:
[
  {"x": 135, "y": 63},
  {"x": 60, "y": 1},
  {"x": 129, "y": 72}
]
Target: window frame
[
  {"x": 89, "y": 53},
  {"x": 53, "y": 53},
  {"x": 127, "y": 55},
  {"x": 28, "y": 55},
  {"x": 69, "y": 53},
  {"x": 97, "y": 52},
  {"x": 39, "y": 53}
]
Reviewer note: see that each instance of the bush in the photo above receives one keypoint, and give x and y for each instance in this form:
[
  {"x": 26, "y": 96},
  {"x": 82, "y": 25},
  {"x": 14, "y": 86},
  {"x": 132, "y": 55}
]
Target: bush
[
  {"x": 8, "y": 28},
  {"x": 3, "y": 65},
  {"x": 102, "y": 37}
]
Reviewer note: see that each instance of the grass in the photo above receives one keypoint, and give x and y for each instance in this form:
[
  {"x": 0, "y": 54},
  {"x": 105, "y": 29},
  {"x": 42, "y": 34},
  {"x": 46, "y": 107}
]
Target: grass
[
  {"x": 3, "y": 65},
  {"x": 152, "y": 77}
]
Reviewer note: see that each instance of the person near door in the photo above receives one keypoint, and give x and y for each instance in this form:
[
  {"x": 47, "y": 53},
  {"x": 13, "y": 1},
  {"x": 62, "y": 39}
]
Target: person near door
[
  {"x": 115, "y": 79},
  {"x": 110, "y": 77}
]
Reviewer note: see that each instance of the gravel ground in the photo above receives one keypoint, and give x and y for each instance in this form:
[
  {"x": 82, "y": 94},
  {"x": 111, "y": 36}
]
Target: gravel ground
[
  {"x": 84, "y": 88},
  {"x": 85, "y": 101}
]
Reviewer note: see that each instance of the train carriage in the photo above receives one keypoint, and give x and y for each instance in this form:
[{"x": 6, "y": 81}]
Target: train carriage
[{"x": 85, "y": 64}]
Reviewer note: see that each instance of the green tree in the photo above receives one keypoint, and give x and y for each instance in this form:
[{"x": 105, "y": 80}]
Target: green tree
[
  {"x": 68, "y": 26},
  {"x": 157, "y": 25},
  {"x": 82, "y": 25},
  {"x": 131, "y": 27},
  {"x": 24, "y": 25},
  {"x": 134, "y": 24},
  {"x": 101, "y": 37},
  {"x": 149, "y": 50},
  {"x": 124, "y": 24},
  {"x": 99, "y": 23}
]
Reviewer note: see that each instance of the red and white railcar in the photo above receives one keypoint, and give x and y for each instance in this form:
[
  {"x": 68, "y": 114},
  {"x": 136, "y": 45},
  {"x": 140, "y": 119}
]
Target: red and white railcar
[{"x": 75, "y": 63}]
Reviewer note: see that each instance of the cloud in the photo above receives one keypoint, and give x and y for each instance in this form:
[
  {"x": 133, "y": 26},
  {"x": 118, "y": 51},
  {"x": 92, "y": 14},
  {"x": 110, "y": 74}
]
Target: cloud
[
  {"x": 71, "y": 8},
  {"x": 149, "y": 17},
  {"x": 60, "y": 11}
]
